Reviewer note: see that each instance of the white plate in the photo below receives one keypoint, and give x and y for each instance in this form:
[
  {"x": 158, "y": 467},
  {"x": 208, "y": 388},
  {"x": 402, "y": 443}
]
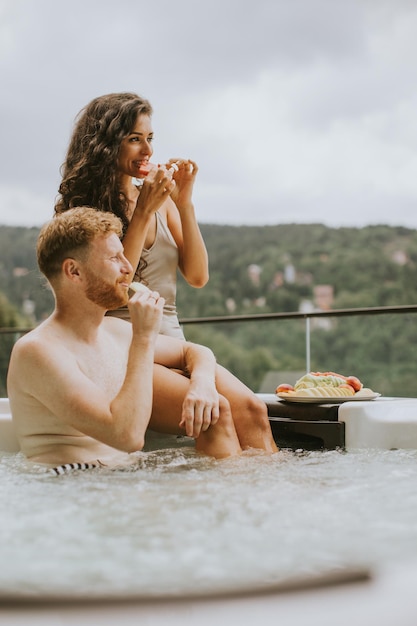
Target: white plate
[{"x": 335, "y": 400}]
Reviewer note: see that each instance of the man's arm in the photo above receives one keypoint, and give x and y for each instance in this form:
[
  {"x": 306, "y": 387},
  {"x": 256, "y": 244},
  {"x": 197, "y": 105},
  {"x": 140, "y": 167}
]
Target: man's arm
[{"x": 47, "y": 373}]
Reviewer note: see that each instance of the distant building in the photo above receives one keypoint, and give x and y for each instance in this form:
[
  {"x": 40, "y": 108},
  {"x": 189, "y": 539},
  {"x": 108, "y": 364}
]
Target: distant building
[
  {"x": 28, "y": 308},
  {"x": 277, "y": 281},
  {"x": 400, "y": 257},
  {"x": 254, "y": 273},
  {"x": 231, "y": 305},
  {"x": 289, "y": 273},
  {"x": 20, "y": 271},
  {"x": 307, "y": 306},
  {"x": 323, "y": 297}
]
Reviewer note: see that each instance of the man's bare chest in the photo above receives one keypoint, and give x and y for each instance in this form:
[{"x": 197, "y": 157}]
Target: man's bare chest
[{"x": 105, "y": 365}]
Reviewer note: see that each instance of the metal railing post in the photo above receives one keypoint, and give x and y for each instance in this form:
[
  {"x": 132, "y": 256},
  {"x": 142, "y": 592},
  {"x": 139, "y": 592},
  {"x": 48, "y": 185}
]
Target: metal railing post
[{"x": 308, "y": 344}]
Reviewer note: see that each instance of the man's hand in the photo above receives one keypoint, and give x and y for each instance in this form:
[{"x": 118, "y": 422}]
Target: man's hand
[
  {"x": 200, "y": 408},
  {"x": 146, "y": 313}
]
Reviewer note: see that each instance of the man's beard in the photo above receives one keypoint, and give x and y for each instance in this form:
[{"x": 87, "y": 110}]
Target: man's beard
[{"x": 104, "y": 294}]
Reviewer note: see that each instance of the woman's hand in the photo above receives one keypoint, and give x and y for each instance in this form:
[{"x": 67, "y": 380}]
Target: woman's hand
[
  {"x": 200, "y": 409},
  {"x": 156, "y": 188},
  {"x": 184, "y": 172}
]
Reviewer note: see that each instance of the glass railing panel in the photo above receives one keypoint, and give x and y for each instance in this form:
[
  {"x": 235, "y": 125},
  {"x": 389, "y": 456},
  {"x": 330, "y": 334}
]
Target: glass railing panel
[
  {"x": 377, "y": 345},
  {"x": 378, "y": 349},
  {"x": 257, "y": 352}
]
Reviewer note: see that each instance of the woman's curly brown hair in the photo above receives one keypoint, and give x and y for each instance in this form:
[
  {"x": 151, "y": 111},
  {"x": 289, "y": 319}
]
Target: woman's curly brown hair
[{"x": 89, "y": 176}]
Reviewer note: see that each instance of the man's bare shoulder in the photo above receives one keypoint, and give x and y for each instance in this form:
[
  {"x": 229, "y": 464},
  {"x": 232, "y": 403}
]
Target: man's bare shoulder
[
  {"x": 33, "y": 341},
  {"x": 35, "y": 348}
]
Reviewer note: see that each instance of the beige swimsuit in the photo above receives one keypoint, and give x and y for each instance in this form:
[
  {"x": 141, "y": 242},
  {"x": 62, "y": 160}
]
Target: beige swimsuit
[{"x": 157, "y": 269}]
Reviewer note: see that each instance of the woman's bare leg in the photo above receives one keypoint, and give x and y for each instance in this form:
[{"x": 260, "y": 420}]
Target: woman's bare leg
[
  {"x": 169, "y": 390},
  {"x": 250, "y": 415}
]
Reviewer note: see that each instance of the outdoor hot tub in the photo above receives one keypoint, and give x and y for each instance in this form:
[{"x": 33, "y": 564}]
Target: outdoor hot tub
[{"x": 322, "y": 535}]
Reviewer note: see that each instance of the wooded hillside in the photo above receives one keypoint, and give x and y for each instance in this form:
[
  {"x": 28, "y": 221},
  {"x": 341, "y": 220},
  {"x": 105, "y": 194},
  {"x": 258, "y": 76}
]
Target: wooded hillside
[{"x": 259, "y": 269}]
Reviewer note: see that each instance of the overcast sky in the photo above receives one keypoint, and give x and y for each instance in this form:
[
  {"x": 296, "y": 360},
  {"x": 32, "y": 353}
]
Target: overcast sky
[{"x": 296, "y": 111}]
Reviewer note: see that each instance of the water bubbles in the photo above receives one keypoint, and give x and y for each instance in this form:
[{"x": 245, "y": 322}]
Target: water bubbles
[{"x": 176, "y": 520}]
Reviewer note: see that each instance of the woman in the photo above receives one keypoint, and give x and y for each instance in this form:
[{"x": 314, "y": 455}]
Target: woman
[{"x": 107, "y": 166}]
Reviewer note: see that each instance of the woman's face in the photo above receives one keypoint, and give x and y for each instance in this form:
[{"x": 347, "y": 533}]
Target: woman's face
[{"x": 136, "y": 148}]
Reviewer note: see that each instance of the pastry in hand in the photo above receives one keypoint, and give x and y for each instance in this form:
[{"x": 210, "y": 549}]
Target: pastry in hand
[{"x": 139, "y": 287}]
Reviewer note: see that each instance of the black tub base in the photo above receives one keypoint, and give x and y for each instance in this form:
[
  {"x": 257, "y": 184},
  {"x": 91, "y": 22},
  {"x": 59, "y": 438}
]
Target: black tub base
[{"x": 305, "y": 426}]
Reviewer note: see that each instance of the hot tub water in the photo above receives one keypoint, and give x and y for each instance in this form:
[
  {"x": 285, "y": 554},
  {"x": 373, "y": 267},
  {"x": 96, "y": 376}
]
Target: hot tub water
[{"x": 177, "y": 521}]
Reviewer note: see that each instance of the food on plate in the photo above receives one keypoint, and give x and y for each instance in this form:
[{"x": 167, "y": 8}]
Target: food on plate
[
  {"x": 284, "y": 388},
  {"x": 365, "y": 392},
  {"x": 139, "y": 287},
  {"x": 324, "y": 385},
  {"x": 330, "y": 379},
  {"x": 354, "y": 382},
  {"x": 324, "y": 392}
]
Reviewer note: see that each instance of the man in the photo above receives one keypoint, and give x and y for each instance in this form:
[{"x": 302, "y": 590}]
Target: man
[{"x": 84, "y": 387}]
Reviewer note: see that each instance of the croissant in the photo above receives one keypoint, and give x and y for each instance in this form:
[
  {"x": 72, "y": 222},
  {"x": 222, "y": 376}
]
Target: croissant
[
  {"x": 323, "y": 380},
  {"x": 324, "y": 392},
  {"x": 138, "y": 287}
]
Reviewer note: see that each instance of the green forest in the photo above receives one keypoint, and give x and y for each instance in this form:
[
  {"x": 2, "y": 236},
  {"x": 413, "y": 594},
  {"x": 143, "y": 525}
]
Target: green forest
[{"x": 268, "y": 269}]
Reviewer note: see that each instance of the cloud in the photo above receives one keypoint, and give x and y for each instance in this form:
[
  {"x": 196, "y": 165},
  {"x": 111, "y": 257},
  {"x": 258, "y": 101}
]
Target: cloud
[
  {"x": 298, "y": 111},
  {"x": 20, "y": 206}
]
